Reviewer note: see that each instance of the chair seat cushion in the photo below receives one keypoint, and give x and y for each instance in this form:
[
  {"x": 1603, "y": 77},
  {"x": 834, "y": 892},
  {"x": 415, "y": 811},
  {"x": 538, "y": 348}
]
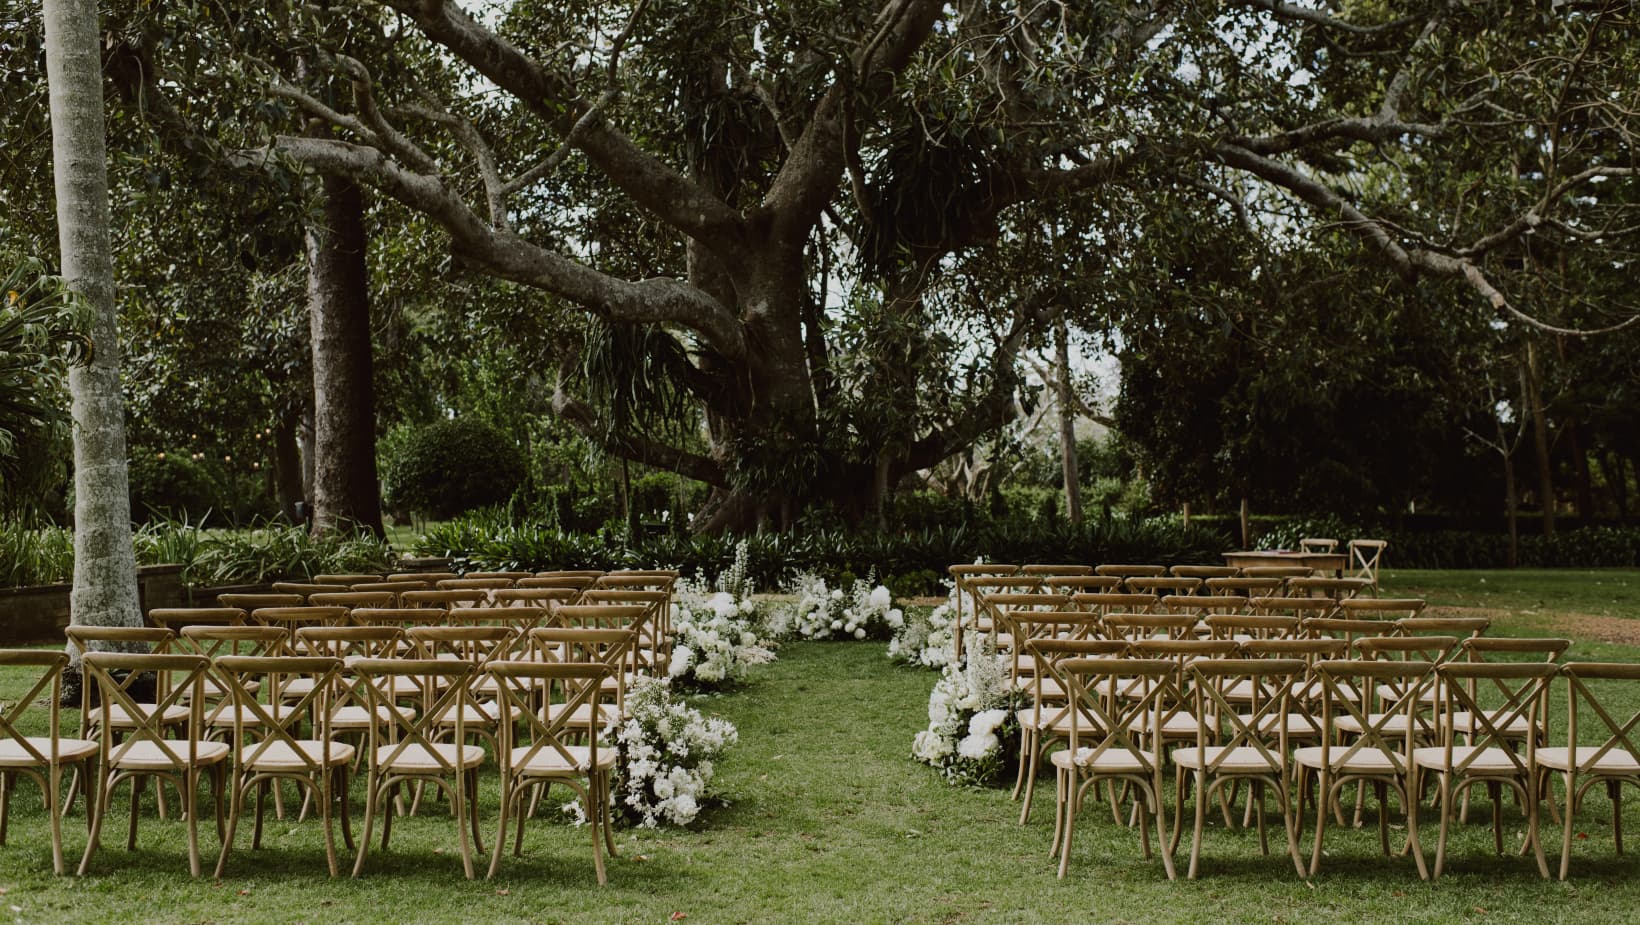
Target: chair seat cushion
[
  {"x": 1113, "y": 761},
  {"x": 145, "y": 754},
  {"x": 282, "y": 756},
  {"x": 1365, "y": 761},
  {"x": 120, "y": 718},
  {"x": 1463, "y": 722},
  {"x": 1481, "y": 760},
  {"x": 1242, "y": 759},
  {"x": 422, "y": 759},
  {"x": 355, "y": 717},
  {"x": 14, "y": 755},
  {"x": 1616, "y": 761},
  {"x": 547, "y": 762}
]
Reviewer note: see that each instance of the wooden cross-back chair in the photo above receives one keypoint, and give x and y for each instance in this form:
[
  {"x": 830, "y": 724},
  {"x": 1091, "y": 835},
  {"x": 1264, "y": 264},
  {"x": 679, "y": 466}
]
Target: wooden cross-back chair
[
  {"x": 446, "y": 599},
  {"x": 474, "y": 584},
  {"x": 1520, "y": 694},
  {"x": 1380, "y": 753},
  {"x": 509, "y": 576},
  {"x": 1380, "y": 608},
  {"x": 1130, "y": 571},
  {"x": 1085, "y": 584},
  {"x": 1244, "y": 587},
  {"x": 403, "y": 617},
  {"x": 302, "y": 589},
  {"x": 535, "y": 597},
  {"x": 149, "y": 745},
  {"x": 972, "y": 618},
  {"x": 269, "y": 745},
  {"x": 1045, "y": 720},
  {"x": 1609, "y": 756},
  {"x": 1318, "y": 544},
  {"x": 405, "y": 751},
  {"x": 520, "y": 620},
  {"x": 633, "y": 617},
  {"x": 992, "y": 607},
  {"x": 295, "y": 618},
  {"x": 540, "y": 748},
  {"x": 353, "y": 599},
  {"x": 41, "y": 759},
  {"x": 1240, "y": 740},
  {"x": 396, "y": 588},
  {"x": 1202, "y": 606},
  {"x": 215, "y": 641},
  {"x": 1366, "y": 556},
  {"x": 349, "y": 714},
  {"x": 1301, "y": 607},
  {"x": 477, "y": 645},
  {"x": 428, "y": 578},
  {"x": 1102, "y": 746},
  {"x": 86, "y": 639},
  {"x": 961, "y": 576},
  {"x": 613, "y": 647},
  {"x": 1244, "y": 627},
  {"x": 653, "y": 651}
]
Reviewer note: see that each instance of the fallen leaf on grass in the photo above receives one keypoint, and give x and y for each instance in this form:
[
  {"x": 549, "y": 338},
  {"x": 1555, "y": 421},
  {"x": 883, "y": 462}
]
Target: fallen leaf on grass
[
  {"x": 1582, "y": 835},
  {"x": 503, "y": 892},
  {"x": 640, "y": 857},
  {"x": 678, "y": 916}
]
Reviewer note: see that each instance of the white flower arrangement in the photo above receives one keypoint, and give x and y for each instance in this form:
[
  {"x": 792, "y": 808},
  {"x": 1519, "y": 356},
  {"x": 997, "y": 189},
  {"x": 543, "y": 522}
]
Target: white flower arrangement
[
  {"x": 715, "y": 638},
  {"x": 666, "y": 755},
  {"x": 865, "y": 612},
  {"x": 973, "y": 727},
  {"x": 927, "y": 638}
]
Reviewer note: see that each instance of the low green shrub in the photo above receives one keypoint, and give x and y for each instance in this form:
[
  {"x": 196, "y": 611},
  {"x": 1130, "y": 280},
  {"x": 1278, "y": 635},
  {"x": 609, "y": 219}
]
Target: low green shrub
[
  {"x": 450, "y": 467},
  {"x": 44, "y": 556}
]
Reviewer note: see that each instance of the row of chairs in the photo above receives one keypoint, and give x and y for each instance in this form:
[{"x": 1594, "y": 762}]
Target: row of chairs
[
  {"x": 1292, "y": 717},
  {"x": 239, "y": 696}
]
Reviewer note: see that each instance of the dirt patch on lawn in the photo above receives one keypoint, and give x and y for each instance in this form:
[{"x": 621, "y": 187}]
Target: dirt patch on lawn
[{"x": 1615, "y": 630}]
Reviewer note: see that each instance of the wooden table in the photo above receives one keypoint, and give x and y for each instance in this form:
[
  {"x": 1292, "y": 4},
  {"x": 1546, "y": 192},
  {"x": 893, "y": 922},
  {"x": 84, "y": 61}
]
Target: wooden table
[{"x": 1333, "y": 562}]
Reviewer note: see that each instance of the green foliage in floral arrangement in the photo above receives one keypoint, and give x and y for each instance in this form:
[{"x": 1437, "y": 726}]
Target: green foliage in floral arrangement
[{"x": 667, "y": 754}]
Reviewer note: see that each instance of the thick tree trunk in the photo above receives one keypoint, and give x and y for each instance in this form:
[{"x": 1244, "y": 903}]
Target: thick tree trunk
[
  {"x": 105, "y": 574},
  {"x": 345, "y": 492},
  {"x": 1067, "y": 423}
]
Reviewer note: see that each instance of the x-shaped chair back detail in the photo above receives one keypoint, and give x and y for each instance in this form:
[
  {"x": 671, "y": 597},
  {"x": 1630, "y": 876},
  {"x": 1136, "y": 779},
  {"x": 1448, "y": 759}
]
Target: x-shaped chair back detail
[
  {"x": 1202, "y": 606},
  {"x": 1365, "y": 558},
  {"x": 519, "y": 619},
  {"x": 1339, "y": 589},
  {"x": 1109, "y": 602},
  {"x": 401, "y": 617},
  {"x": 347, "y": 581},
  {"x": 446, "y": 599},
  {"x": 1411, "y": 679},
  {"x": 1130, "y": 571},
  {"x": 1303, "y": 608},
  {"x": 215, "y": 641},
  {"x": 1248, "y": 627},
  {"x": 1244, "y": 587},
  {"x": 962, "y": 579},
  {"x": 295, "y": 618},
  {"x": 1132, "y": 627},
  {"x": 1163, "y": 586},
  {"x": 1520, "y": 692},
  {"x": 275, "y": 726},
  {"x": 181, "y": 683},
  {"x": 354, "y": 599},
  {"x": 1348, "y": 630},
  {"x": 301, "y": 589},
  {"x": 1380, "y": 608},
  {"x": 175, "y": 618},
  {"x": 1050, "y": 693},
  {"x": 250, "y": 602},
  {"x": 49, "y": 682},
  {"x": 536, "y": 597},
  {"x": 1248, "y": 724},
  {"x": 574, "y": 584},
  {"x": 652, "y": 627},
  {"x": 1204, "y": 571}
]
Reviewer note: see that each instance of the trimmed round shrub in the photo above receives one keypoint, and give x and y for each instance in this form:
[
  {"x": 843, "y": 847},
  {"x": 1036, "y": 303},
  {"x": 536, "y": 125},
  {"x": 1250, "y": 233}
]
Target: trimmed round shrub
[{"x": 450, "y": 467}]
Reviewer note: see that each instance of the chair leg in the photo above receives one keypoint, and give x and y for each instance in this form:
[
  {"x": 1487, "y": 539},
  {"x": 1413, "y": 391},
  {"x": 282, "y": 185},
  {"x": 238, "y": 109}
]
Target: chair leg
[
  {"x": 96, "y": 811},
  {"x": 1026, "y": 738},
  {"x": 1566, "y": 836},
  {"x": 236, "y": 805},
  {"x": 261, "y": 807},
  {"x": 1058, "y": 811},
  {"x": 508, "y": 798},
  {"x": 607, "y": 808},
  {"x": 1409, "y": 802},
  {"x": 190, "y": 808},
  {"x": 1070, "y": 823},
  {"x": 1494, "y": 792},
  {"x": 1534, "y": 832},
  {"x": 54, "y": 786},
  {"x": 472, "y": 810},
  {"x": 1255, "y": 797},
  {"x": 372, "y": 795},
  {"x": 1323, "y": 801},
  {"x": 1291, "y": 819},
  {"x": 1615, "y": 790},
  {"x": 1161, "y": 827},
  {"x": 1380, "y": 791},
  {"x": 136, "y": 795},
  {"x": 458, "y": 805},
  {"x": 597, "y": 837},
  {"x": 343, "y": 777},
  {"x": 8, "y": 780},
  {"x": 1445, "y": 785},
  {"x": 1201, "y": 822},
  {"x": 1030, "y": 780}
]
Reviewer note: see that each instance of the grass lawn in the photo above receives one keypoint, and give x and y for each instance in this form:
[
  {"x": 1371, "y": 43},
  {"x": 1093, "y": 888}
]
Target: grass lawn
[{"x": 832, "y": 821}]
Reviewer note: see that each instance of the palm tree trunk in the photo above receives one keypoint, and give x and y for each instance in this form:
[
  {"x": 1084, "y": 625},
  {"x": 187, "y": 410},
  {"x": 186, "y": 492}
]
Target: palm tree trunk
[{"x": 105, "y": 574}]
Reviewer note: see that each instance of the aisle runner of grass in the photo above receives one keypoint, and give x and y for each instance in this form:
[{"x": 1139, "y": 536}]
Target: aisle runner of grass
[{"x": 831, "y": 822}]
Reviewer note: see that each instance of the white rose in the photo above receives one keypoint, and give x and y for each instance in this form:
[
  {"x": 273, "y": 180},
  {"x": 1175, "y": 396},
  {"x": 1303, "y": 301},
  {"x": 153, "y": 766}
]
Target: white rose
[
  {"x": 896, "y": 618},
  {"x": 986, "y": 721},
  {"x": 860, "y": 633},
  {"x": 837, "y": 624},
  {"x": 977, "y": 746},
  {"x": 837, "y": 595},
  {"x": 880, "y": 597}
]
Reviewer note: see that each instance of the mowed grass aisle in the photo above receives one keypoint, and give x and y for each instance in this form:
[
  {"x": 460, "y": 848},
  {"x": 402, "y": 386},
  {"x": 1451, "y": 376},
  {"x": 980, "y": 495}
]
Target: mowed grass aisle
[{"x": 831, "y": 821}]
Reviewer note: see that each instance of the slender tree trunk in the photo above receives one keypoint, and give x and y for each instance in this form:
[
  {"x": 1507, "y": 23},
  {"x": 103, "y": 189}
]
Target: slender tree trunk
[
  {"x": 1611, "y": 466},
  {"x": 304, "y": 445},
  {"x": 287, "y": 467},
  {"x": 1067, "y": 423},
  {"x": 1511, "y": 508},
  {"x": 1540, "y": 439},
  {"x": 105, "y": 573},
  {"x": 345, "y": 492},
  {"x": 1246, "y": 524},
  {"x": 1583, "y": 480}
]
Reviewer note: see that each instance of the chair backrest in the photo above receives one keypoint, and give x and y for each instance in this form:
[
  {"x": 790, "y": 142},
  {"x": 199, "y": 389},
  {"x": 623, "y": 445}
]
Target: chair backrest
[
  {"x": 1443, "y": 626},
  {"x": 349, "y": 580},
  {"x": 1205, "y": 571},
  {"x": 510, "y": 576},
  {"x": 1300, "y": 607},
  {"x": 1380, "y": 608},
  {"x": 1483, "y": 648},
  {"x": 1265, "y": 688},
  {"x": 250, "y": 640},
  {"x": 1105, "y": 602},
  {"x": 1050, "y": 703},
  {"x": 427, "y": 578},
  {"x": 1345, "y": 629},
  {"x": 1080, "y": 584},
  {"x": 1427, "y": 648},
  {"x": 1243, "y": 627},
  {"x": 1411, "y": 681},
  {"x": 970, "y": 570},
  {"x": 574, "y": 583},
  {"x": 1104, "y": 725},
  {"x": 1051, "y": 570},
  {"x": 396, "y": 588},
  {"x": 175, "y": 618},
  {"x": 570, "y": 573},
  {"x": 535, "y": 597},
  {"x": 635, "y": 581},
  {"x": 350, "y": 643},
  {"x": 1516, "y": 691},
  {"x": 1026, "y": 625},
  {"x": 1135, "y": 626},
  {"x": 1243, "y": 587},
  {"x": 352, "y": 599},
  {"x": 1204, "y": 605},
  {"x": 443, "y": 685},
  {"x": 293, "y": 618},
  {"x": 1318, "y": 544},
  {"x": 470, "y": 584},
  {"x": 1130, "y": 571},
  {"x": 1365, "y": 558},
  {"x": 300, "y": 588},
  {"x": 523, "y": 686},
  {"x": 265, "y": 719},
  {"x": 1162, "y": 586},
  {"x": 250, "y": 602},
  {"x": 1612, "y": 732},
  {"x": 1335, "y": 588},
  {"x": 85, "y": 638},
  {"x": 179, "y": 679},
  {"x": 18, "y": 710},
  {"x": 444, "y": 599},
  {"x": 477, "y": 644},
  {"x": 399, "y": 616}
]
